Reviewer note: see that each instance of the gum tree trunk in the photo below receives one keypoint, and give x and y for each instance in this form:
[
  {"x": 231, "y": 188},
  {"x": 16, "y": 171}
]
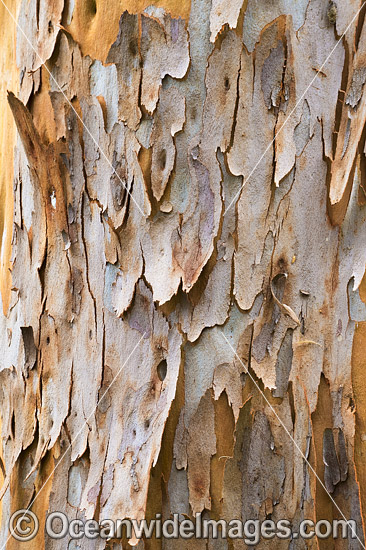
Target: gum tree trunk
[{"x": 183, "y": 251}]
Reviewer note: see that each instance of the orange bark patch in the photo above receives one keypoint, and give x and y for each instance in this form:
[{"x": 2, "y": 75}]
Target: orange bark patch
[
  {"x": 359, "y": 390},
  {"x": 95, "y": 23},
  {"x": 8, "y": 79},
  {"x": 23, "y": 493},
  {"x": 321, "y": 420}
]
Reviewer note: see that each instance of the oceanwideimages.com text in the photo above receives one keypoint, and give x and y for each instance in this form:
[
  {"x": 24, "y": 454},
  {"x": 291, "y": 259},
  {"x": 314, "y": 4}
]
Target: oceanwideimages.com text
[{"x": 24, "y": 526}]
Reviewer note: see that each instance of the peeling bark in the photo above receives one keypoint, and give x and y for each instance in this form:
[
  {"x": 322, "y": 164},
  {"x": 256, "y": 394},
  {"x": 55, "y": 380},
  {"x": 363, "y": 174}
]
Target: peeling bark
[{"x": 187, "y": 264}]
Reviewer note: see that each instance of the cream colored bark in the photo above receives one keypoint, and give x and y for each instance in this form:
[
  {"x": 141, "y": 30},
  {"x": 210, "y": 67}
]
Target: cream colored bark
[{"x": 186, "y": 315}]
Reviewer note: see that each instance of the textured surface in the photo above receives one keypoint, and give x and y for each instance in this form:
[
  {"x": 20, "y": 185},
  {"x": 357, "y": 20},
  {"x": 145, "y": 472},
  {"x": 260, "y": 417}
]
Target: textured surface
[{"x": 168, "y": 245}]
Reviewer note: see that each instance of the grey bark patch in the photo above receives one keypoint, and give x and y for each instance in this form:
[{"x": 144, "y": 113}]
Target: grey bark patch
[
  {"x": 104, "y": 82},
  {"x": 111, "y": 274},
  {"x": 302, "y": 130},
  {"x": 342, "y": 453},
  {"x": 355, "y": 92},
  {"x": 346, "y": 138},
  {"x": 271, "y": 77},
  {"x": 124, "y": 53},
  {"x": 76, "y": 483},
  {"x": 263, "y": 470},
  {"x": 283, "y": 365},
  {"x": 332, "y": 475},
  {"x": 30, "y": 350},
  {"x": 357, "y": 308},
  {"x": 262, "y": 344}
]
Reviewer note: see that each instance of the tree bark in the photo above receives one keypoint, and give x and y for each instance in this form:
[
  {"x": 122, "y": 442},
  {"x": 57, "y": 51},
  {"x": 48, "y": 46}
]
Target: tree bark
[{"x": 182, "y": 228}]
